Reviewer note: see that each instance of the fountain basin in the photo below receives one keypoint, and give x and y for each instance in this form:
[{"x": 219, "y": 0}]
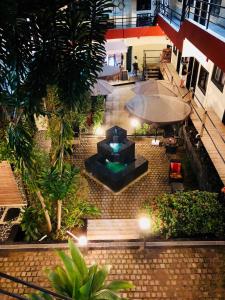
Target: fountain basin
[{"x": 117, "y": 177}]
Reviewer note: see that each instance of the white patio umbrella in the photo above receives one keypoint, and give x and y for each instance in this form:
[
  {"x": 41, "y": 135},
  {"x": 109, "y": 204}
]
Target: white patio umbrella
[
  {"x": 158, "y": 109},
  {"x": 153, "y": 87},
  {"x": 101, "y": 87},
  {"x": 108, "y": 71}
]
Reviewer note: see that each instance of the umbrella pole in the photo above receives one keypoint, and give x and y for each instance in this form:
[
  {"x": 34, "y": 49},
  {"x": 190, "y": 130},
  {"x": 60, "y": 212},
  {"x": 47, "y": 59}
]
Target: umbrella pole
[{"x": 156, "y": 134}]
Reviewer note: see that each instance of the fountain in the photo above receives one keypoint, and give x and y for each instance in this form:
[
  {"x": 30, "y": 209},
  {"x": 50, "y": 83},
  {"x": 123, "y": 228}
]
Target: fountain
[{"x": 115, "y": 163}]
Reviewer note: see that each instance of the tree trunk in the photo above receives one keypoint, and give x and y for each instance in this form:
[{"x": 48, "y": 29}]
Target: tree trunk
[
  {"x": 47, "y": 217},
  {"x": 59, "y": 214}
]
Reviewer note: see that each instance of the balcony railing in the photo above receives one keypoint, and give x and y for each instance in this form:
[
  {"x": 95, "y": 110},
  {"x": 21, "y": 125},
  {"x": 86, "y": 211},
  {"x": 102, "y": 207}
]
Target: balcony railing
[
  {"x": 209, "y": 15},
  {"x": 140, "y": 20}
]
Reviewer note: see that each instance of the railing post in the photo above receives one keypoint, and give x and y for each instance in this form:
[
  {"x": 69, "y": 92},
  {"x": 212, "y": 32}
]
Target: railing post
[
  {"x": 183, "y": 10},
  {"x": 171, "y": 15},
  {"x": 203, "y": 123},
  {"x": 209, "y": 13}
]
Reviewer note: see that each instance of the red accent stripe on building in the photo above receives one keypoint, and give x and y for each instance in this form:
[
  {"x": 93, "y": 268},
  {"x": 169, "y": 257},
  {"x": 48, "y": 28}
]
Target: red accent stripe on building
[
  {"x": 134, "y": 32},
  {"x": 212, "y": 47}
]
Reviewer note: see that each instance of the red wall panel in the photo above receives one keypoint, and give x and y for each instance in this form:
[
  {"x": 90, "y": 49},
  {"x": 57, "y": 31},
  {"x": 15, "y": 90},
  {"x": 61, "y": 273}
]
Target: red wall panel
[
  {"x": 212, "y": 47},
  {"x": 134, "y": 32}
]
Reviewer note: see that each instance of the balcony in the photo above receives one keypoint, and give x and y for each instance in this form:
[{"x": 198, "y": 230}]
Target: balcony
[
  {"x": 209, "y": 16},
  {"x": 141, "y": 20}
]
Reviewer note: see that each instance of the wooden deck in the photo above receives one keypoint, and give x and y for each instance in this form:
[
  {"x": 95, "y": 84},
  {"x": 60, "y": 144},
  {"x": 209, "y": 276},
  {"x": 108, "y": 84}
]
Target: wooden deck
[
  {"x": 213, "y": 137},
  {"x": 10, "y": 195}
]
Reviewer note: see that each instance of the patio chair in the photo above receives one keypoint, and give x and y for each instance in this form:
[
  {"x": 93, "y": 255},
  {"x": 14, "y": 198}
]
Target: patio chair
[{"x": 175, "y": 171}]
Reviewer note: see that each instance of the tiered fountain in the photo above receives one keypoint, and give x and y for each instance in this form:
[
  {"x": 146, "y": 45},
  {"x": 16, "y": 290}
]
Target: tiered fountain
[{"x": 115, "y": 164}]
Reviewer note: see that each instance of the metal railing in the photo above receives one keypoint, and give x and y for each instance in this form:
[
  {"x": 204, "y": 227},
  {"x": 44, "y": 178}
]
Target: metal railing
[
  {"x": 30, "y": 285},
  {"x": 203, "y": 118},
  {"x": 173, "y": 16},
  {"x": 208, "y": 14},
  {"x": 141, "y": 20}
]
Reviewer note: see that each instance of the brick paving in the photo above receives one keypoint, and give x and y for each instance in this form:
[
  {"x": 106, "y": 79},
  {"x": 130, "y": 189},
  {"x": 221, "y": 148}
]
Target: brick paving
[
  {"x": 127, "y": 203},
  {"x": 159, "y": 273}
]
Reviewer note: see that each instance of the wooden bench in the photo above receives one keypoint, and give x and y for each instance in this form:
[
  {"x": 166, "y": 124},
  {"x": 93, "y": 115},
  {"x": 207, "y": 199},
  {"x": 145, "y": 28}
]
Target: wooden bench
[{"x": 10, "y": 196}]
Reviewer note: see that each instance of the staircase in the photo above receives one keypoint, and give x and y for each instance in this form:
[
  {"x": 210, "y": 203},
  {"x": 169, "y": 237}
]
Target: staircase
[
  {"x": 151, "y": 64},
  {"x": 152, "y": 71}
]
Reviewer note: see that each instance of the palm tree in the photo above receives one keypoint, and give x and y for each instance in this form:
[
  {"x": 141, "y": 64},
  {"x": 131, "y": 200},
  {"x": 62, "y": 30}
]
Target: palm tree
[
  {"x": 46, "y": 43},
  {"x": 80, "y": 282}
]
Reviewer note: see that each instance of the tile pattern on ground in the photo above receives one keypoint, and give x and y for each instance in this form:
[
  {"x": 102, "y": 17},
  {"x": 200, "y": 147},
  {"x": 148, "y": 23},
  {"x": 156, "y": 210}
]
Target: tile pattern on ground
[
  {"x": 127, "y": 203},
  {"x": 159, "y": 273}
]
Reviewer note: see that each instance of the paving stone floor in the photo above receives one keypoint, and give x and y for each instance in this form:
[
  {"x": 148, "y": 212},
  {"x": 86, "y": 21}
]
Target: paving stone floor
[
  {"x": 159, "y": 273},
  {"x": 127, "y": 203}
]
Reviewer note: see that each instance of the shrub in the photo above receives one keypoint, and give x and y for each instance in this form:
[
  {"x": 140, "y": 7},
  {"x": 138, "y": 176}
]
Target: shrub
[
  {"x": 188, "y": 214},
  {"x": 30, "y": 224}
]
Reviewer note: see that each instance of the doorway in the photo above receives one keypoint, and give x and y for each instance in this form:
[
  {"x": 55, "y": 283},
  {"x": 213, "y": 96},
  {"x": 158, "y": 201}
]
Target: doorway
[
  {"x": 178, "y": 61},
  {"x": 194, "y": 74},
  {"x": 190, "y": 69},
  {"x": 129, "y": 58}
]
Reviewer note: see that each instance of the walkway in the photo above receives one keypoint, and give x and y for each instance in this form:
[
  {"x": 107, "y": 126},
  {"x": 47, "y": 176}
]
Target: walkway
[
  {"x": 127, "y": 204},
  {"x": 213, "y": 137},
  {"x": 159, "y": 273}
]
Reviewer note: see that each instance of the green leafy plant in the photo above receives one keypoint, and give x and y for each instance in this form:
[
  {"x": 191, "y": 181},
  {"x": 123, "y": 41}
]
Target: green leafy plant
[
  {"x": 30, "y": 224},
  {"x": 142, "y": 129},
  {"x": 98, "y": 111},
  {"x": 78, "y": 281},
  {"x": 188, "y": 214}
]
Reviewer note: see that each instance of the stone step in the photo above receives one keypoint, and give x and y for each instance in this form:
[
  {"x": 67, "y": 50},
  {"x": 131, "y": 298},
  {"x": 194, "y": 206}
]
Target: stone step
[{"x": 113, "y": 229}]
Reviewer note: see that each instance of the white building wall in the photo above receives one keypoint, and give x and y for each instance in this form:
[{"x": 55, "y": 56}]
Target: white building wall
[{"x": 214, "y": 98}]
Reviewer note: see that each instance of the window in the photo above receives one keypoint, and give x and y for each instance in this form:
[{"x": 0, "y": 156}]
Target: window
[
  {"x": 143, "y": 4},
  {"x": 174, "y": 49},
  {"x": 215, "y": 10},
  {"x": 218, "y": 78},
  {"x": 203, "y": 80}
]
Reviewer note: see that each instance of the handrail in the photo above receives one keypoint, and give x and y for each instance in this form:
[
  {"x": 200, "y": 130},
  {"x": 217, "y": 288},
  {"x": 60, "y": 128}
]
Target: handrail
[
  {"x": 16, "y": 296},
  {"x": 33, "y": 286},
  {"x": 203, "y": 15},
  {"x": 213, "y": 4},
  {"x": 219, "y": 133},
  {"x": 140, "y": 20},
  {"x": 218, "y": 151},
  {"x": 209, "y": 118}
]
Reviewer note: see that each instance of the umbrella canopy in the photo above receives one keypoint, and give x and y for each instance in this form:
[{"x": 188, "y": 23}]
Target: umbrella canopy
[
  {"x": 158, "y": 109},
  {"x": 115, "y": 47},
  {"x": 101, "y": 87},
  {"x": 153, "y": 86},
  {"x": 108, "y": 71}
]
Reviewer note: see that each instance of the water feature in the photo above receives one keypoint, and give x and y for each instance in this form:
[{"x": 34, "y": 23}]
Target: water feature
[{"x": 115, "y": 163}]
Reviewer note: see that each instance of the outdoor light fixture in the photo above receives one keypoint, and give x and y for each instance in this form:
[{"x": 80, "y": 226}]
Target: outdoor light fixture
[
  {"x": 135, "y": 123},
  {"x": 82, "y": 240},
  {"x": 99, "y": 131},
  {"x": 144, "y": 223}
]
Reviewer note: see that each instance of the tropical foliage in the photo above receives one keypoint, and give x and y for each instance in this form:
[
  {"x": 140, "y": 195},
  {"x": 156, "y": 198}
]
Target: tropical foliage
[
  {"x": 188, "y": 214},
  {"x": 47, "y": 44},
  {"x": 78, "y": 281}
]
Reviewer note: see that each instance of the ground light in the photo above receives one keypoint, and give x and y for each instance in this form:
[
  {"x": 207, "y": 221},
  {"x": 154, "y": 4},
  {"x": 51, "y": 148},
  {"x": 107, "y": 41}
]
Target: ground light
[
  {"x": 145, "y": 225},
  {"x": 82, "y": 240},
  {"x": 99, "y": 131},
  {"x": 135, "y": 123}
]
